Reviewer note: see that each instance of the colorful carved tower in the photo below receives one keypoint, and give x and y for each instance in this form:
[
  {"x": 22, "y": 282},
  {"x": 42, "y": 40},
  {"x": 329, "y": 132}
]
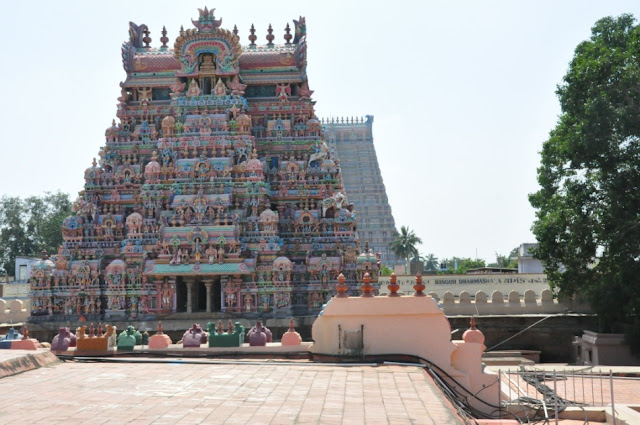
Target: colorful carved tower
[
  {"x": 352, "y": 142},
  {"x": 215, "y": 190}
]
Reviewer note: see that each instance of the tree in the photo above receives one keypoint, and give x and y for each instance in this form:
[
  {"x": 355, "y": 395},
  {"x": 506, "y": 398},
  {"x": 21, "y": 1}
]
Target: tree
[
  {"x": 404, "y": 243},
  {"x": 31, "y": 225},
  {"x": 431, "y": 263},
  {"x": 506, "y": 261},
  {"x": 588, "y": 209},
  {"x": 385, "y": 271},
  {"x": 459, "y": 265}
]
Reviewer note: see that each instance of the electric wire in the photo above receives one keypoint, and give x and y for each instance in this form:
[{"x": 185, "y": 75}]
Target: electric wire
[{"x": 459, "y": 396}]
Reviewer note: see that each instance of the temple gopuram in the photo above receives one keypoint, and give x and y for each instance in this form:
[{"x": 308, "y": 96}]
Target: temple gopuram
[{"x": 214, "y": 192}]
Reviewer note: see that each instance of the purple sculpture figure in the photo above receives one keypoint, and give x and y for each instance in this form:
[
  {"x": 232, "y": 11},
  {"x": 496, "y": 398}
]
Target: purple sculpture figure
[
  {"x": 63, "y": 340},
  {"x": 259, "y": 335},
  {"x": 194, "y": 337}
]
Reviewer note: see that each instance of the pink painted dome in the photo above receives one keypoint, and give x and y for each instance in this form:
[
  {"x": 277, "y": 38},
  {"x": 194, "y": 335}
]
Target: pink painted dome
[
  {"x": 313, "y": 124},
  {"x": 268, "y": 216},
  {"x": 473, "y": 335},
  {"x": 243, "y": 119},
  {"x": 117, "y": 266},
  {"x": 113, "y": 130},
  {"x": 93, "y": 172},
  {"x": 282, "y": 261},
  {"x": 153, "y": 167},
  {"x": 254, "y": 164}
]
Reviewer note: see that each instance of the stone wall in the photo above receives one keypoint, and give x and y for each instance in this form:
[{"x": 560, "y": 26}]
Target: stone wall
[
  {"x": 553, "y": 336},
  {"x": 13, "y": 311}
]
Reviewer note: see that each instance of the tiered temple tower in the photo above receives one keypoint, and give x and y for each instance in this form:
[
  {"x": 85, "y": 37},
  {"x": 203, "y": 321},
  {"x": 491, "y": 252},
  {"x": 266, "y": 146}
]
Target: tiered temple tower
[
  {"x": 215, "y": 190},
  {"x": 352, "y": 141}
]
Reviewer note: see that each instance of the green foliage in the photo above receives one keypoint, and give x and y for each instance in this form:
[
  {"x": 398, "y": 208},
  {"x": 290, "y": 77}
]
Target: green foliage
[
  {"x": 457, "y": 265},
  {"x": 506, "y": 261},
  {"x": 28, "y": 226},
  {"x": 588, "y": 208},
  {"x": 385, "y": 271},
  {"x": 404, "y": 243}
]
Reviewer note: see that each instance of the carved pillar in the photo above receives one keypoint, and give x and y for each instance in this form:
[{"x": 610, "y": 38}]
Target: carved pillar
[
  {"x": 208, "y": 284},
  {"x": 189, "y": 284},
  {"x": 174, "y": 296},
  {"x": 158, "y": 283},
  {"x": 223, "y": 285}
]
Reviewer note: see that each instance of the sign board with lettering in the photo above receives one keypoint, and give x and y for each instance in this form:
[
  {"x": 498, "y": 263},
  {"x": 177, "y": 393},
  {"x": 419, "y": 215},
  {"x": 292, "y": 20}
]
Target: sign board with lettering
[{"x": 472, "y": 283}]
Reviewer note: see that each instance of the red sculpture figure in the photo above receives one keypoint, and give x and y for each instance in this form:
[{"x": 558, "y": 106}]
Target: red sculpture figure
[
  {"x": 341, "y": 287},
  {"x": 367, "y": 287},
  {"x": 419, "y": 287},
  {"x": 393, "y": 286}
]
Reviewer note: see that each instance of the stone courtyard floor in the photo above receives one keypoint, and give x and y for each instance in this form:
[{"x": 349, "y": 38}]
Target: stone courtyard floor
[
  {"x": 39, "y": 389},
  {"x": 237, "y": 393}
]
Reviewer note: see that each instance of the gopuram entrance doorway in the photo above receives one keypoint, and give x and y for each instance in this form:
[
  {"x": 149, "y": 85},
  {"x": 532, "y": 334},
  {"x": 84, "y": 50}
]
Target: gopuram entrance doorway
[{"x": 198, "y": 294}]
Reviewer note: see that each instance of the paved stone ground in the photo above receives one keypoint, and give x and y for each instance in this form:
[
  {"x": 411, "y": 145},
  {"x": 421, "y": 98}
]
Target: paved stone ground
[{"x": 251, "y": 393}]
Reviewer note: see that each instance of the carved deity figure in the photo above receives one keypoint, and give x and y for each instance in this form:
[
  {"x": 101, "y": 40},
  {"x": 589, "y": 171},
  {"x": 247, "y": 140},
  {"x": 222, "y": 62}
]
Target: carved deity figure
[
  {"x": 248, "y": 302},
  {"x": 212, "y": 254},
  {"x": 220, "y": 89},
  {"x": 194, "y": 88},
  {"x": 168, "y": 125},
  {"x": 320, "y": 155},
  {"x": 177, "y": 87}
]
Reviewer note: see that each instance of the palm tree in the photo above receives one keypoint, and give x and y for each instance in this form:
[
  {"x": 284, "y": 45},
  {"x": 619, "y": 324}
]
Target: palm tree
[
  {"x": 404, "y": 244},
  {"x": 431, "y": 263}
]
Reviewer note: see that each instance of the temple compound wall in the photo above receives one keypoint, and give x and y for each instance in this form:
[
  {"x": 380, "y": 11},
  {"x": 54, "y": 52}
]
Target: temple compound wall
[
  {"x": 352, "y": 141},
  {"x": 214, "y": 191}
]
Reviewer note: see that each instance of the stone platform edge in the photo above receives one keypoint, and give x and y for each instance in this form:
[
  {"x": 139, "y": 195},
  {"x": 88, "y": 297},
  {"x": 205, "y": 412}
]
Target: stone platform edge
[
  {"x": 28, "y": 361},
  {"x": 176, "y": 350}
]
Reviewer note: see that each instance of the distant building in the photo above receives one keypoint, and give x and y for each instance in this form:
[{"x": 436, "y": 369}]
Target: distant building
[
  {"x": 526, "y": 262},
  {"x": 352, "y": 141},
  {"x": 23, "y": 268},
  {"x": 492, "y": 270}
]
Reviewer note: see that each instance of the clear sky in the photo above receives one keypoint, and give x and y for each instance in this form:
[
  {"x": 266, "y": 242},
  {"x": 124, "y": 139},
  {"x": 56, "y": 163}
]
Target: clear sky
[{"x": 463, "y": 94}]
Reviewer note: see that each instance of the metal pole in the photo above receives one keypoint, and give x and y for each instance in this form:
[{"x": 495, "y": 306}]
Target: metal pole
[
  {"x": 573, "y": 379},
  {"x": 613, "y": 404},
  {"x": 500, "y": 393},
  {"x": 601, "y": 391},
  {"x": 584, "y": 399},
  {"x": 555, "y": 397},
  {"x": 593, "y": 394},
  {"x": 509, "y": 383}
]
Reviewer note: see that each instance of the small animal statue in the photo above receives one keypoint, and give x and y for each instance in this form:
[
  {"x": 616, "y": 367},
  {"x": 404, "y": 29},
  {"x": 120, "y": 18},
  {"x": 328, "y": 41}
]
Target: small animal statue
[
  {"x": 194, "y": 337},
  {"x": 63, "y": 340},
  {"x": 111, "y": 336}
]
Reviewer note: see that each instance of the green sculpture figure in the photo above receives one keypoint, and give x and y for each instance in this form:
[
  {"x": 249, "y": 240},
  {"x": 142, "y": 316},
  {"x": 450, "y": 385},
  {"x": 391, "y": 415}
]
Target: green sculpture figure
[
  {"x": 233, "y": 337},
  {"x": 127, "y": 339}
]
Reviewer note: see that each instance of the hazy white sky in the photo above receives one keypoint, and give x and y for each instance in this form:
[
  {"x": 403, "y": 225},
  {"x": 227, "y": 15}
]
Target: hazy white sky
[{"x": 463, "y": 94}]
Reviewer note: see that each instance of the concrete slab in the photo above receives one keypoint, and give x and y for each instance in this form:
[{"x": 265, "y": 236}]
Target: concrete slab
[
  {"x": 13, "y": 362},
  {"x": 251, "y": 393}
]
